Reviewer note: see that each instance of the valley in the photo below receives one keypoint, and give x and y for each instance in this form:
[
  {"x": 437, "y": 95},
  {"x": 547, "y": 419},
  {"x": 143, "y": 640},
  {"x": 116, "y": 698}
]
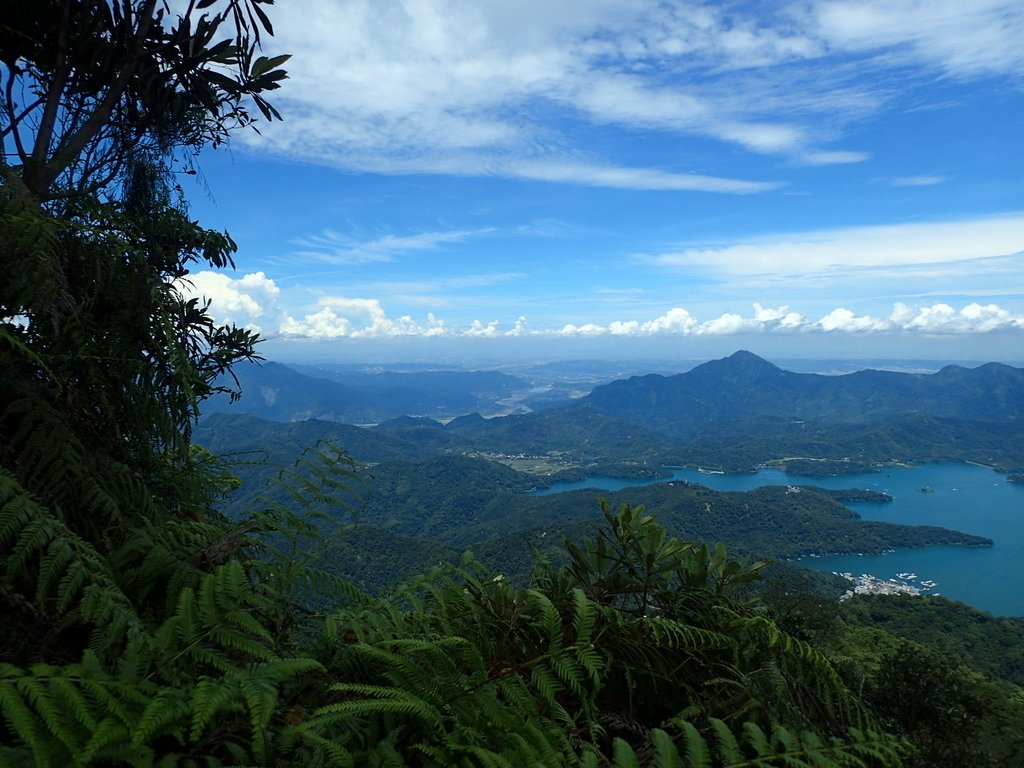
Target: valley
[{"x": 437, "y": 488}]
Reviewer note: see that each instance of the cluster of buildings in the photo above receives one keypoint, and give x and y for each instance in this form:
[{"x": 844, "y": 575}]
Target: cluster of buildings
[{"x": 903, "y": 584}]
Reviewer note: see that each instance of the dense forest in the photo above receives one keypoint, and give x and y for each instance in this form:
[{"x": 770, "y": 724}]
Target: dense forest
[{"x": 143, "y": 625}]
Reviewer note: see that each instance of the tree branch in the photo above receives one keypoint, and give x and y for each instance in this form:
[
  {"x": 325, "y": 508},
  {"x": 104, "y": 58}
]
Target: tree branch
[
  {"x": 74, "y": 145},
  {"x": 36, "y": 164}
]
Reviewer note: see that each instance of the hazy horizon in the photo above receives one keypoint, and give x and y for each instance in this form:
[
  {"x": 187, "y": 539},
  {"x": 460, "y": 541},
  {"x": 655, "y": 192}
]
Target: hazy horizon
[{"x": 635, "y": 362}]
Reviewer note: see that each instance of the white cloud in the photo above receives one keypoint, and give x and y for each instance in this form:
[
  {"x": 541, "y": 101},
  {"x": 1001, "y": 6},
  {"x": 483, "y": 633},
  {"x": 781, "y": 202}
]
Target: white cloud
[
  {"x": 934, "y": 319},
  {"x": 500, "y": 87},
  {"x": 942, "y": 318},
  {"x": 676, "y": 320},
  {"x": 965, "y": 39},
  {"x": 802, "y": 253},
  {"x": 616, "y": 177},
  {"x": 588, "y": 329},
  {"x": 254, "y": 296},
  {"x": 834, "y": 157},
  {"x": 842, "y": 319},
  {"x": 919, "y": 181},
  {"x": 520, "y": 328},
  {"x": 332, "y": 247},
  {"x": 324, "y": 324},
  {"x": 357, "y": 319},
  {"x": 479, "y": 330},
  {"x": 240, "y": 301}
]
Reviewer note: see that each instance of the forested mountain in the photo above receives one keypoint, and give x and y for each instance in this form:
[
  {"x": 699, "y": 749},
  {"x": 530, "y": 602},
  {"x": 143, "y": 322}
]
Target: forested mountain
[
  {"x": 735, "y": 414},
  {"x": 815, "y": 447},
  {"x": 167, "y": 606},
  {"x": 743, "y": 387}
]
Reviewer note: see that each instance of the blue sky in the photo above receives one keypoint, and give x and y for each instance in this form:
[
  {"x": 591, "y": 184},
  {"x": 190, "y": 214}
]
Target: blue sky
[{"x": 474, "y": 179}]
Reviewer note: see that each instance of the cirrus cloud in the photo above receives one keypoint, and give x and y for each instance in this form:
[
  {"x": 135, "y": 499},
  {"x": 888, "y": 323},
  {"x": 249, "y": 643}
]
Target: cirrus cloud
[
  {"x": 803, "y": 253},
  {"x": 505, "y": 88}
]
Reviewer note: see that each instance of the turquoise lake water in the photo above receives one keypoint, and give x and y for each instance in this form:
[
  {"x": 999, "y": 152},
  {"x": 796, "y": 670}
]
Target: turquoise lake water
[{"x": 966, "y": 498}]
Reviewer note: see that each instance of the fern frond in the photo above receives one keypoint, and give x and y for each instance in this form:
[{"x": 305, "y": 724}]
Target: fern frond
[
  {"x": 402, "y": 704},
  {"x": 166, "y": 713},
  {"x": 69, "y": 570}
]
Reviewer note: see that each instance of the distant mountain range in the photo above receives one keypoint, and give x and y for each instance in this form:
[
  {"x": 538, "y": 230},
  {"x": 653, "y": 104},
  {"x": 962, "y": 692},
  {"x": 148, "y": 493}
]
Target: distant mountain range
[
  {"x": 733, "y": 414},
  {"x": 744, "y": 387},
  {"x": 281, "y": 393}
]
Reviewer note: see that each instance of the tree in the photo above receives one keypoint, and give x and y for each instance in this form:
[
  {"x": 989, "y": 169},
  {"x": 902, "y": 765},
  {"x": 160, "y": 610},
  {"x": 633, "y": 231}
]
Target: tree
[
  {"x": 934, "y": 703},
  {"x": 91, "y": 85},
  {"x": 104, "y": 362},
  {"x": 102, "y": 102},
  {"x": 128, "y": 608}
]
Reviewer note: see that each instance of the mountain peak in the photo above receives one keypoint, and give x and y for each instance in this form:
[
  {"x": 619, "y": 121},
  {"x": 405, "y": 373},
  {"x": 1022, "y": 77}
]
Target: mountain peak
[
  {"x": 742, "y": 355},
  {"x": 744, "y": 362}
]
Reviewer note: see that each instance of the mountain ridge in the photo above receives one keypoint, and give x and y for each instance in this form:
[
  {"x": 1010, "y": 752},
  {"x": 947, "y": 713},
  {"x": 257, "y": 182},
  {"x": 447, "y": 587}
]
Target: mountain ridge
[{"x": 745, "y": 386}]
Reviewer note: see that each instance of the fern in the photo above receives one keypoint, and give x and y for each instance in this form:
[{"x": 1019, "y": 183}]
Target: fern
[
  {"x": 69, "y": 573},
  {"x": 757, "y": 749}
]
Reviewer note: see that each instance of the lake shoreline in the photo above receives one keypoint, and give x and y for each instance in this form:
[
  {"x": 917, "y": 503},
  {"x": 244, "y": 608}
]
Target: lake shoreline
[{"x": 978, "y": 500}]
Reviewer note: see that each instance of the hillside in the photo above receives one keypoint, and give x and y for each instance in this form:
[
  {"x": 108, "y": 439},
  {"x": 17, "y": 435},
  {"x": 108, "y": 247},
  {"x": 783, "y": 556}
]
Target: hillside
[
  {"x": 743, "y": 387},
  {"x": 839, "y": 448},
  {"x": 735, "y": 413}
]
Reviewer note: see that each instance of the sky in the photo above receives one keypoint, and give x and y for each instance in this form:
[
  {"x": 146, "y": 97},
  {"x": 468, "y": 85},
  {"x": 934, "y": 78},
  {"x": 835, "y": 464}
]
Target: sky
[{"x": 480, "y": 179}]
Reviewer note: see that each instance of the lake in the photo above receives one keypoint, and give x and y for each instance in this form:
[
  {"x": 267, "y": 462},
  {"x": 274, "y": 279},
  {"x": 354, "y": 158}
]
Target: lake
[{"x": 964, "y": 497}]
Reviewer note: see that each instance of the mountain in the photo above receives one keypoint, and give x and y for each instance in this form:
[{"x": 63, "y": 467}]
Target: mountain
[
  {"x": 283, "y": 393},
  {"x": 278, "y": 393},
  {"x": 743, "y": 386},
  {"x": 455, "y": 387},
  {"x": 241, "y": 433},
  {"x": 735, "y": 414}
]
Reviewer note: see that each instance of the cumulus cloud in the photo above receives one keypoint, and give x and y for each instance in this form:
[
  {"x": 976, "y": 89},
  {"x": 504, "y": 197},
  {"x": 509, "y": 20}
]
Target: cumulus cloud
[
  {"x": 520, "y": 328},
  {"x": 587, "y": 329},
  {"x": 942, "y": 318},
  {"x": 842, "y": 319},
  {"x": 241, "y": 301},
  {"x": 358, "y": 319},
  {"x": 254, "y": 297},
  {"x": 934, "y": 319}
]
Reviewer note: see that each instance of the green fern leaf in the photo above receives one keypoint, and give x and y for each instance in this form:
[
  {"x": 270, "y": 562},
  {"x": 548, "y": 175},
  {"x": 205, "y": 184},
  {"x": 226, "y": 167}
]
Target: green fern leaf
[
  {"x": 19, "y": 714},
  {"x": 697, "y": 753},
  {"x": 666, "y": 755},
  {"x": 167, "y": 712},
  {"x": 212, "y": 698},
  {"x": 623, "y": 755}
]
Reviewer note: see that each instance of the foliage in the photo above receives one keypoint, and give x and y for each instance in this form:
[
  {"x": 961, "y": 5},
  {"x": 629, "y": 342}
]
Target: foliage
[
  {"x": 842, "y": 448},
  {"x": 992, "y": 644},
  {"x": 610, "y": 659},
  {"x": 921, "y": 694},
  {"x": 106, "y": 503},
  {"x": 90, "y": 86},
  {"x": 603, "y": 657},
  {"x": 947, "y": 680},
  {"x": 143, "y": 627}
]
